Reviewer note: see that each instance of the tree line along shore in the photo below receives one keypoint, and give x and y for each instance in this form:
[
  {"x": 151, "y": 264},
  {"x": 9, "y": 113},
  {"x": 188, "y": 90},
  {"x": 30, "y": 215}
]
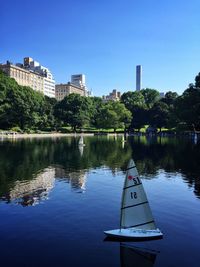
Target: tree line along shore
[{"x": 23, "y": 110}]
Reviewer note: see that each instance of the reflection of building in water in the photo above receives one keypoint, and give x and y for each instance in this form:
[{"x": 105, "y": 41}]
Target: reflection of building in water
[
  {"x": 31, "y": 192},
  {"x": 77, "y": 179}
]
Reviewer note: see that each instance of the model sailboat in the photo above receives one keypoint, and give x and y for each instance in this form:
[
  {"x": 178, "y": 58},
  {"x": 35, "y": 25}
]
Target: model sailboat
[{"x": 136, "y": 220}]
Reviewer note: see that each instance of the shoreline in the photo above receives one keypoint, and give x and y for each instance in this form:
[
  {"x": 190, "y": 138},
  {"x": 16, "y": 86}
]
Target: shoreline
[
  {"x": 13, "y": 135},
  {"x": 40, "y": 135}
]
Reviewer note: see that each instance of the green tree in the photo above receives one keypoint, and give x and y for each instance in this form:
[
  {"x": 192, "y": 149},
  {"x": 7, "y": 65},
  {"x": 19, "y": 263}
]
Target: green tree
[
  {"x": 74, "y": 110},
  {"x": 113, "y": 115},
  {"x": 132, "y": 100},
  {"x": 135, "y": 102},
  {"x": 123, "y": 114},
  {"x": 169, "y": 98},
  {"x": 97, "y": 105},
  {"x": 197, "y": 81},
  {"x": 6, "y": 84},
  {"x": 159, "y": 115},
  {"x": 151, "y": 96},
  {"x": 47, "y": 114},
  {"x": 19, "y": 105},
  {"x": 26, "y": 106},
  {"x": 139, "y": 118},
  {"x": 187, "y": 107}
]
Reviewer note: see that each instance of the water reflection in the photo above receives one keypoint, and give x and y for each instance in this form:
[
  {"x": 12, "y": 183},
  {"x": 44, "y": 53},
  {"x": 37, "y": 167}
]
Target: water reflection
[
  {"x": 25, "y": 174},
  {"x": 81, "y": 150},
  {"x": 135, "y": 256},
  {"x": 33, "y": 191},
  {"x": 76, "y": 179}
]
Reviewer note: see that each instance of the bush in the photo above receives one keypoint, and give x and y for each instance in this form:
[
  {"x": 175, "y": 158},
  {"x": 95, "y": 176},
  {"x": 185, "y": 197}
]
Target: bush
[
  {"x": 64, "y": 130},
  {"x": 48, "y": 129},
  {"x": 16, "y": 129}
]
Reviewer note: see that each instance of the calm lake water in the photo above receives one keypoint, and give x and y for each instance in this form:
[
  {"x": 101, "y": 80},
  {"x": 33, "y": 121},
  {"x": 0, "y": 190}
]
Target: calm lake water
[{"x": 56, "y": 200}]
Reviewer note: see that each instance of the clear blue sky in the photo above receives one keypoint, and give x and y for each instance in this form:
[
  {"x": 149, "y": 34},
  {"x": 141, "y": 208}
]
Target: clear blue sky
[{"x": 105, "y": 40}]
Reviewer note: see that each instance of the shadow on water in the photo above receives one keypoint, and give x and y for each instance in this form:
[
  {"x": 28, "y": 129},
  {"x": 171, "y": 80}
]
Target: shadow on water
[{"x": 29, "y": 168}]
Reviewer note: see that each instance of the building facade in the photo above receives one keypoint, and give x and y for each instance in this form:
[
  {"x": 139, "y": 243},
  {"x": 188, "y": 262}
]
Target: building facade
[
  {"x": 114, "y": 95},
  {"x": 76, "y": 86},
  {"x": 63, "y": 90},
  {"x": 31, "y": 74},
  {"x": 138, "y": 77},
  {"x": 48, "y": 80},
  {"x": 78, "y": 80}
]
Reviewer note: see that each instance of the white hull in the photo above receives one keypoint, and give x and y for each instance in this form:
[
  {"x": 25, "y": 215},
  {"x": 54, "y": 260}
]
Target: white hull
[{"x": 133, "y": 233}]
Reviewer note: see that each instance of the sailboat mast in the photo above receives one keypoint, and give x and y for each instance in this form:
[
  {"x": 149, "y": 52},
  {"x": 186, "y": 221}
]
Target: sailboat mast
[{"x": 122, "y": 199}]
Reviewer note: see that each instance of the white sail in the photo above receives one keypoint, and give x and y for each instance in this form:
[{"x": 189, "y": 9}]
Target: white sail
[
  {"x": 135, "y": 210},
  {"x": 136, "y": 220}
]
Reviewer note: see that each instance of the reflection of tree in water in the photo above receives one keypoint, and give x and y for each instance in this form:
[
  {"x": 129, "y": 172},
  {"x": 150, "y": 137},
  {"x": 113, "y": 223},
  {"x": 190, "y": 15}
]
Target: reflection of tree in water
[
  {"x": 24, "y": 159},
  {"x": 97, "y": 152},
  {"x": 171, "y": 155}
]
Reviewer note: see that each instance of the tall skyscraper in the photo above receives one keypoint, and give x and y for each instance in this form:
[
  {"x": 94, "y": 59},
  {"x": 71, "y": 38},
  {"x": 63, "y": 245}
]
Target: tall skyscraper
[{"x": 138, "y": 77}]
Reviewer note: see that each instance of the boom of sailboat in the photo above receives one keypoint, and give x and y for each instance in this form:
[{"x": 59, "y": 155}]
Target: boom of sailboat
[{"x": 136, "y": 220}]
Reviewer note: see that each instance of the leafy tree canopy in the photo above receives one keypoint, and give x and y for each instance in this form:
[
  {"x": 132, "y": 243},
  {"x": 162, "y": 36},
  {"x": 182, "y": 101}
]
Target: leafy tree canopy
[
  {"x": 74, "y": 110},
  {"x": 133, "y": 100},
  {"x": 169, "y": 98},
  {"x": 151, "y": 96},
  {"x": 187, "y": 107},
  {"x": 139, "y": 118},
  {"x": 113, "y": 115},
  {"x": 19, "y": 105},
  {"x": 159, "y": 115},
  {"x": 197, "y": 81}
]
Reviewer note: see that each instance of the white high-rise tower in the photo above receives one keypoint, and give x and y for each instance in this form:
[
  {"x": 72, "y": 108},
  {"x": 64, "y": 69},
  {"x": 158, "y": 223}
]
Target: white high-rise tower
[{"x": 138, "y": 77}]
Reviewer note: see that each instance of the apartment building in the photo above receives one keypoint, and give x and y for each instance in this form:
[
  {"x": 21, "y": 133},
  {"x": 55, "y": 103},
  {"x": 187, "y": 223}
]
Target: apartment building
[
  {"x": 78, "y": 80},
  {"x": 31, "y": 74},
  {"x": 48, "y": 81},
  {"x": 63, "y": 90},
  {"x": 76, "y": 86},
  {"x": 21, "y": 76},
  {"x": 114, "y": 95}
]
